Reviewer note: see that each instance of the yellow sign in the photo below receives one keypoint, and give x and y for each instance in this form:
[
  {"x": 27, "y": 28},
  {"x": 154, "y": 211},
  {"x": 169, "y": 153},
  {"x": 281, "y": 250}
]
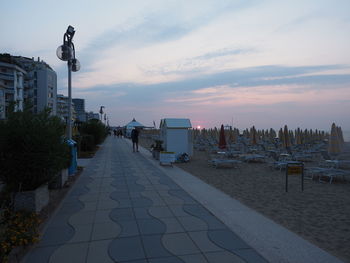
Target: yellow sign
[{"x": 295, "y": 170}]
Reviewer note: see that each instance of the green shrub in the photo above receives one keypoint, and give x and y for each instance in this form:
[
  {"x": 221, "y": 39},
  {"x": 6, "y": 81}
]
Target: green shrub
[
  {"x": 87, "y": 143},
  {"x": 96, "y": 129},
  {"x": 32, "y": 150}
]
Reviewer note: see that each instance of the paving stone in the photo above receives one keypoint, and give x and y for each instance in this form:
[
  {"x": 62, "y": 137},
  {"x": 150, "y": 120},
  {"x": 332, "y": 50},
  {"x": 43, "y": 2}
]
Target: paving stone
[
  {"x": 191, "y": 223},
  {"x": 172, "y": 225},
  {"x": 173, "y": 200},
  {"x": 106, "y": 197},
  {"x": 160, "y": 211},
  {"x": 107, "y": 204},
  {"x": 82, "y": 233},
  {"x": 102, "y": 216},
  {"x": 196, "y": 209},
  {"x": 82, "y": 218},
  {"x": 151, "y": 226},
  {"x": 183, "y": 195},
  {"x": 153, "y": 247},
  {"x": 125, "y": 203},
  {"x": 123, "y": 249},
  {"x": 142, "y": 213},
  {"x": 70, "y": 208},
  {"x": 88, "y": 197},
  {"x": 156, "y": 201},
  {"x": 40, "y": 254},
  {"x": 179, "y": 244},
  {"x": 122, "y": 213},
  {"x": 107, "y": 189},
  {"x": 141, "y": 202},
  {"x": 223, "y": 257},
  {"x": 129, "y": 228},
  {"x": 196, "y": 258},
  {"x": 166, "y": 260},
  {"x": 212, "y": 222},
  {"x": 78, "y": 191},
  {"x": 71, "y": 253},
  {"x": 178, "y": 210},
  {"x": 105, "y": 230},
  {"x": 227, "y": 240},
  {"x": 89, "y": 206},
  {"x": 250, "y": 255},
  {"x": 203, "y": 242},
  {"x": 59, "y": 220},
  {"x": 119, "y": 195},
  {"x": 56, "y": 235}
]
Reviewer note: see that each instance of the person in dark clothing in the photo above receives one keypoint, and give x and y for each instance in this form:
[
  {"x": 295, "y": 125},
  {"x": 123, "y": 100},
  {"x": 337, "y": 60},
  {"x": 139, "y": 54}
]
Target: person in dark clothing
[
  {"x": 115, "y": 133},
  {"x": 135, "y": 139}
]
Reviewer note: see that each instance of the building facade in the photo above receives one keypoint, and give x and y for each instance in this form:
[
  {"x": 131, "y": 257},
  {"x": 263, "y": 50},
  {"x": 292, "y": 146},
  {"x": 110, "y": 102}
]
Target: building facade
[
  {"x": 40, "y": 84},
  {"x": 79, "y": 106},
  {"x": 62, "y": 108},
  {"x": 92, "y": 116},
  {"x": 11, "y": 86}
]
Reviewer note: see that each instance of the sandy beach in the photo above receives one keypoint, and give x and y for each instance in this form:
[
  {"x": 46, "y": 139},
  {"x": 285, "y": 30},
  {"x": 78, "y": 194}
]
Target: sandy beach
[{"x": 320, "y": 214}]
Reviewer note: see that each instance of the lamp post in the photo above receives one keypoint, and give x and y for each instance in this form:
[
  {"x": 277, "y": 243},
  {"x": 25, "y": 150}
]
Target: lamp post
[
  {"x": 101, "y": 112},
  {"x": 66, "y": 52}
]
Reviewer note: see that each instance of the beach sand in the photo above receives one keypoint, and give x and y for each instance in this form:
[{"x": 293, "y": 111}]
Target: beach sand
[{"x": 320, "y": 214}]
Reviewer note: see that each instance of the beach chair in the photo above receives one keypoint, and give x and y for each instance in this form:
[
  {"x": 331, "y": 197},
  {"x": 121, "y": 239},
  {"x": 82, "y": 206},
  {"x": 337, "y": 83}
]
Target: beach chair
[
  {"x": 329, "y": 173},
  {"x": 219, "y": 163}
]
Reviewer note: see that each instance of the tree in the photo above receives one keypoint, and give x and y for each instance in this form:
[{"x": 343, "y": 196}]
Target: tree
[{"x": 32, "y": 150}]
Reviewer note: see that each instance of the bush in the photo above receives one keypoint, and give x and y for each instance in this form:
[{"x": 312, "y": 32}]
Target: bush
[
  {"x": 32, "y": 150},
  {"x": 96, "y": 129},
  {"x": 19, "y": 228},
  {"x": 87, "y": 143}
]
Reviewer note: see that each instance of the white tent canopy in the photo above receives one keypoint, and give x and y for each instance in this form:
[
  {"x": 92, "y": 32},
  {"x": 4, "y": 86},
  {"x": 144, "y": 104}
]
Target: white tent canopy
[{"x": 133, "y": 124}]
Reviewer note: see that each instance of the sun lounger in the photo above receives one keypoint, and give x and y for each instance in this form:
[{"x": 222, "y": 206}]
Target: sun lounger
[
  {"x": 256, "y": 158},
  {"x": 217, "y": 163},
  {"x": 330, "y": 173}
]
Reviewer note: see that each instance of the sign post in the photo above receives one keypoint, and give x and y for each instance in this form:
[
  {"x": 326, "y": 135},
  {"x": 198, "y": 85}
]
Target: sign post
[{"x": 295, "y": 168}]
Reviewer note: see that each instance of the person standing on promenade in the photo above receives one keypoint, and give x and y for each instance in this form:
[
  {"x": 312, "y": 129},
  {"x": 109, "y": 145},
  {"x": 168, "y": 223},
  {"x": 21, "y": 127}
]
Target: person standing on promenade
[{"x": 135, "y": 139}]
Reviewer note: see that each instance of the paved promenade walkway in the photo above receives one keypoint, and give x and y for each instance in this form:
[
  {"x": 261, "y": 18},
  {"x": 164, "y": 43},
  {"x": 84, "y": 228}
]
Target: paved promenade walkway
[{"x": 125, "y": 209}]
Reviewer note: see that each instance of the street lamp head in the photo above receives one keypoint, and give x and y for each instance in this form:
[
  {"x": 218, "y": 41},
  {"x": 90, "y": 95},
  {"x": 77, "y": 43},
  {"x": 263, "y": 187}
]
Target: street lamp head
[
  {"x": 75, "y": 65},
  {"x": 64, "y": 52},
  {"x": 70, "y": 31}
]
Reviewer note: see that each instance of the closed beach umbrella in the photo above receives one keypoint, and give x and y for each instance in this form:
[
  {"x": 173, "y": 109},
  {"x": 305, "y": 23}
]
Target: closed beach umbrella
[
  {"x": 298, "y": 137},
  {"x": 254, "y": 136},
  {"x": 286, "y": 138},
  {"x": 333, "y": 142},
  {"x": 222, "y": 139}
]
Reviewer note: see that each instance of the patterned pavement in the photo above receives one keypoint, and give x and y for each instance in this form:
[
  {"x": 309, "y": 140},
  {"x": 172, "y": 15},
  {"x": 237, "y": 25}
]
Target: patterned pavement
[{"x": 124, "y": 209}]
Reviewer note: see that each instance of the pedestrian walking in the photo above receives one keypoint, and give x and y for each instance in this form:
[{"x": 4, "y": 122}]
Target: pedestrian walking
[{"x": 135, "y": 139}]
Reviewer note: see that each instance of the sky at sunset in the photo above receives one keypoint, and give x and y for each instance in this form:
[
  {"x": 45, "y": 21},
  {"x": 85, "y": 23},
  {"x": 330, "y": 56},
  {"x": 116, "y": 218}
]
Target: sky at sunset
[{"x": 248, "y": 62}]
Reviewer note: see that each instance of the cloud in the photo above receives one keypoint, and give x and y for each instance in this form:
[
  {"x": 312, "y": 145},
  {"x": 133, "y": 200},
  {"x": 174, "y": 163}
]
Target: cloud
[
  {"x": 209, "y": 86},
  {"x": 198, "y": 64}
]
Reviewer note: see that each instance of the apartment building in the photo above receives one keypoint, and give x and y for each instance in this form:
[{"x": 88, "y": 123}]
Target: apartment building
[
  {"x": 40, "y": 84},
  {"x": 79, "y": 106},
  {"x": 11, "y": 85}
]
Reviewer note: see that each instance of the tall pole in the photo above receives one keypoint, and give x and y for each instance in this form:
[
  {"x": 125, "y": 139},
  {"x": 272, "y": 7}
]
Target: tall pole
[{"x": 69, "y": 99}]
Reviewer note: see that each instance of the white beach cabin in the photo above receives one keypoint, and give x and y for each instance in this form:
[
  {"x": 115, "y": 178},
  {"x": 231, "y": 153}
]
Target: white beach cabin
[
  {"x": 176, "y": 135},
  {"x": 131, "y": 125}
]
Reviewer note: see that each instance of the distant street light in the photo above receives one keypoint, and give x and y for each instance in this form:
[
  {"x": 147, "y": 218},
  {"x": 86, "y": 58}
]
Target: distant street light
[
  {"x": 66, "y": 52},
  {"x": 101, "y": 112}
]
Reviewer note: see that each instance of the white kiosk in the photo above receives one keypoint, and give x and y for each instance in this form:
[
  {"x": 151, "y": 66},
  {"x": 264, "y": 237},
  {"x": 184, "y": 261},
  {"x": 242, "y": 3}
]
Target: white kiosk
[{"x": 176, "y": 135}]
